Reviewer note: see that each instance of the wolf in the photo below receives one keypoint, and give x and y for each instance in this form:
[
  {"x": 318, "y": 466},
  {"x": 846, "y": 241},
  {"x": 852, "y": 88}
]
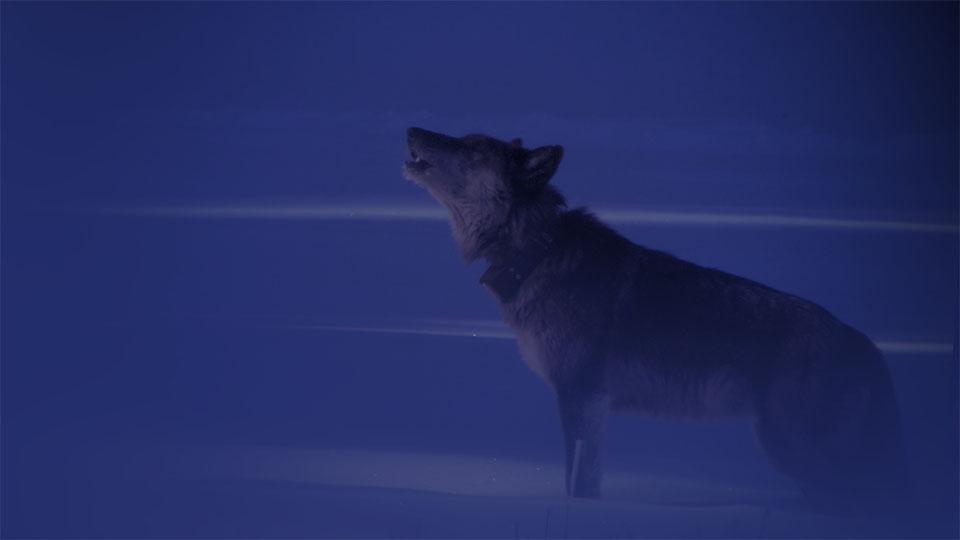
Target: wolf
[{"x": 611, "y": 325}]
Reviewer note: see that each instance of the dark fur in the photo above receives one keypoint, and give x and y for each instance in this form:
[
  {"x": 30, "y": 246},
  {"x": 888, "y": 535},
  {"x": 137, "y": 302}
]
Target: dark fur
[{"x": 611, "y": 325}]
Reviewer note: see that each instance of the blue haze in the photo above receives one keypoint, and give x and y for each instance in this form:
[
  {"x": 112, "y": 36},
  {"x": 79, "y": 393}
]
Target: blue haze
[{"x": 127, "y": 336}]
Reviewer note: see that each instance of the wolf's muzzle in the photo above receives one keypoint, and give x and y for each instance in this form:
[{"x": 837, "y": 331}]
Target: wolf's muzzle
[{"x": 423, "y": 143}]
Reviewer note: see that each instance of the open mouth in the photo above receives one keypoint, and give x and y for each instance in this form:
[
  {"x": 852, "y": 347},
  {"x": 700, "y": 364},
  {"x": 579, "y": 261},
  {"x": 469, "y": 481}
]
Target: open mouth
[{"x": 418, "y": 164}]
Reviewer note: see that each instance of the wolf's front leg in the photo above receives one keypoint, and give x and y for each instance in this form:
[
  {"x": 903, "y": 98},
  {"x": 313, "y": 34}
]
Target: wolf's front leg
[{"x": 584, "y": 420}]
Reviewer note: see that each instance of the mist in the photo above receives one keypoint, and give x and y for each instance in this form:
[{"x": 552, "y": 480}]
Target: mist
[{"x": 225, "y": 313}]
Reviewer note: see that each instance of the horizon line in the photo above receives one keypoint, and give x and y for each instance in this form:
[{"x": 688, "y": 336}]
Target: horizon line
[
  {"x": 614, "y": 216},
  {"x": 496, "y": 330}
]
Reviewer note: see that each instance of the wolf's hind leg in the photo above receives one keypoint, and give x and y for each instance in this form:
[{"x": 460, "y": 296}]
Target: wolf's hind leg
[
  {"x": 584, "y": 420},
  {"x": 840, "y": 440}
]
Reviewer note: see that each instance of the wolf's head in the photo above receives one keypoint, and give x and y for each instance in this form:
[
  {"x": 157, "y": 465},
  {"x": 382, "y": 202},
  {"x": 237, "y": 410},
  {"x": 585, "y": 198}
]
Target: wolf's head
[{"x": 492, "y": 189}]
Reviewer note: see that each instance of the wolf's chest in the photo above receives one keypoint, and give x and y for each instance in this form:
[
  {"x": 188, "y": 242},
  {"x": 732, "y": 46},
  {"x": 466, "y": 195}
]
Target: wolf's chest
[{"x": 533, "y": 355}]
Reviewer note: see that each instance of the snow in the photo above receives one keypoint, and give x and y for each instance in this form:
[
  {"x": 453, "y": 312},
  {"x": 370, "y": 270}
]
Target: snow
[{"x": 284, "y": 492}]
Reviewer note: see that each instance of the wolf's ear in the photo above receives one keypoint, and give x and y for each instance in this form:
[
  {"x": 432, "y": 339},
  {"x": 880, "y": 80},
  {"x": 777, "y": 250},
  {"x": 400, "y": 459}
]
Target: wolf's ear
[
  {"x": 517, "y": 143},
  {"x": 539, "y": 165}
]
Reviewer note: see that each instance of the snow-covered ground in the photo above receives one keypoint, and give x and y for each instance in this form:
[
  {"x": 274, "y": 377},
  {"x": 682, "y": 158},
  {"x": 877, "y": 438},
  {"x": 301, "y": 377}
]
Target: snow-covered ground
[{"x": 129, "y": 489}]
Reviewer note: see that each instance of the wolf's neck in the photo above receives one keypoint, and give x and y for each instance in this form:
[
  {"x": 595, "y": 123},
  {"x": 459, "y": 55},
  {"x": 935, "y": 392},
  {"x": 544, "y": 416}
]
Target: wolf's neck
[
  {"x": 529, "y": 230},
  {"x": 525, "y": 243}
]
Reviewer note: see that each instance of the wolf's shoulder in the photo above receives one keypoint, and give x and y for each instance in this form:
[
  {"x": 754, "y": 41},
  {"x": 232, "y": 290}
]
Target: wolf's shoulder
[
  {"x": 583, "y": 230},
  {"x": 581, "y": 225}
]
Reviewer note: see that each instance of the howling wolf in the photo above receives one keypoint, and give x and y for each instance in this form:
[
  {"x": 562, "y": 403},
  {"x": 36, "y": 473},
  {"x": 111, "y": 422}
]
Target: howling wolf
[{"x": 611, "y": 325}]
